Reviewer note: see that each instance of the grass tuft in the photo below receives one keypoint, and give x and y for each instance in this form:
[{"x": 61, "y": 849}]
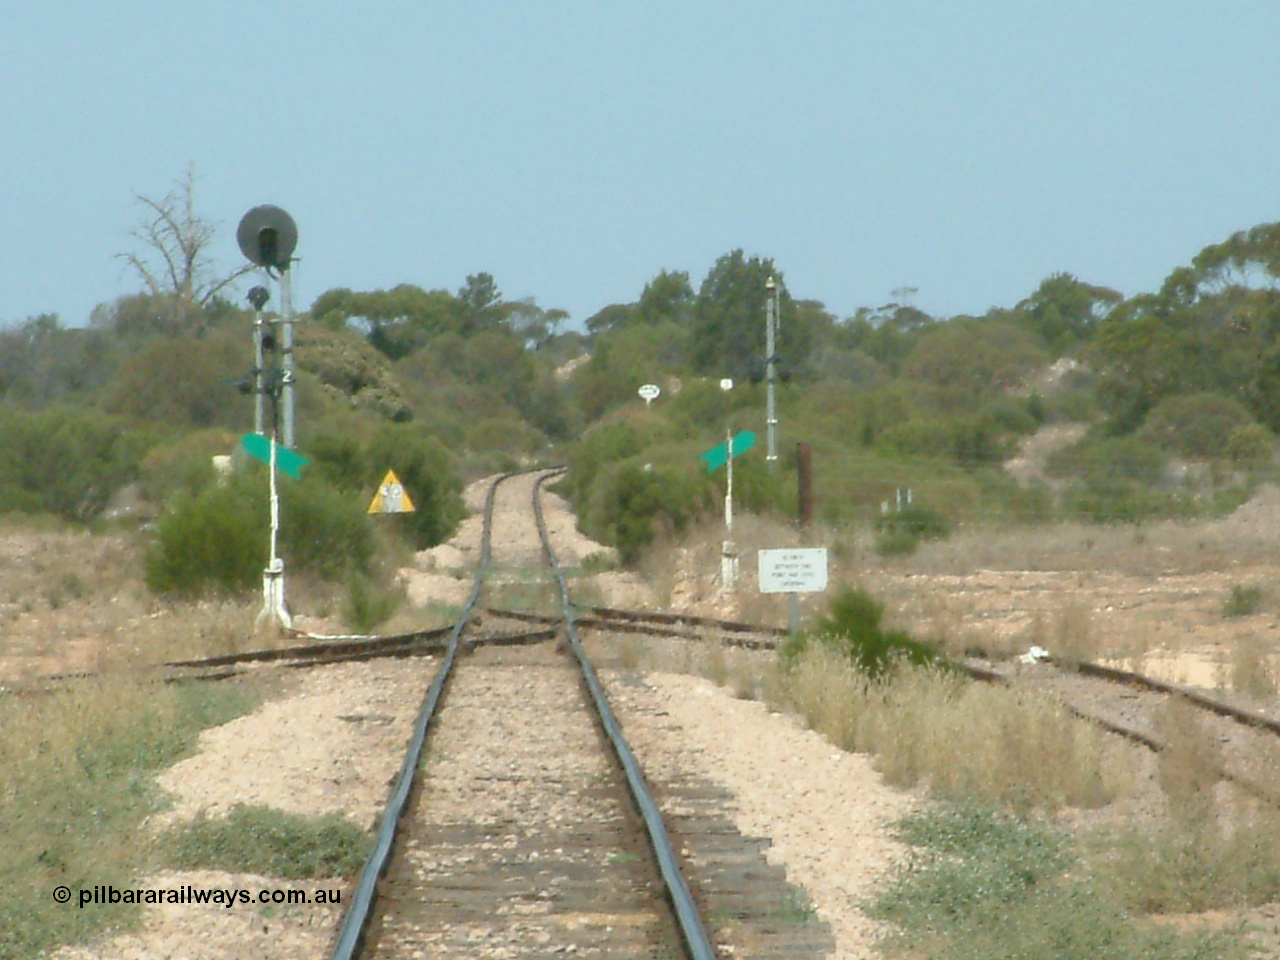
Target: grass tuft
[
  {"x": 1242, "y": 601},
  {"x": 988, "y": 886},
  {"x": 368, "y": 606},
  {"x": 853, "y": 630},
  {"x": 257, "y": 839}
]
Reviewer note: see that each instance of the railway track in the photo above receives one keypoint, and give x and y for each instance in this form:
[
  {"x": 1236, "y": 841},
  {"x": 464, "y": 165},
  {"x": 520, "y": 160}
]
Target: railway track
[{"x": 524, "y": 836}]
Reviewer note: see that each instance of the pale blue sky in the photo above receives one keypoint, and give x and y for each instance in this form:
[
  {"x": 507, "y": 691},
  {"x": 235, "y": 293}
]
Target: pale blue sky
[{"x": 573, "y": 148}]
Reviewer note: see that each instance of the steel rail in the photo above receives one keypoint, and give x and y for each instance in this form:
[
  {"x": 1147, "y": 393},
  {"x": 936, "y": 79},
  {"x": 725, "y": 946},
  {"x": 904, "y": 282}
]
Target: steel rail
[
  {"x": 1247, "y": 784},
  {"x": 355, "y": 922},
  {"x": 638, "y": 626},
  {"x": 732, "y": 626},
  {"x": 688, "y": 919},
  {"x": 320, "y": 648},
  {"x": 1114, "y": 675}
]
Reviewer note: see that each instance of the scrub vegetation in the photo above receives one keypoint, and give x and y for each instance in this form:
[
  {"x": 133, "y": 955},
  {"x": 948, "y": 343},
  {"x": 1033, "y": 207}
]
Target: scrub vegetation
[{"x": 926, "y": 431}]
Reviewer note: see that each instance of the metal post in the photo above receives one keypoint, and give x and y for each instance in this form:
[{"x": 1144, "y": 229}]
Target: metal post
[
  {"x": 771, "y": 372},
  {"x": 286, "y": 358},
  {"x": 728, "y": 560}
]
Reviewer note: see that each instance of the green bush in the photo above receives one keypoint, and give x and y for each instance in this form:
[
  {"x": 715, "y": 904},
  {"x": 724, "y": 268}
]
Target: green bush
[
  {"x": 1242, "y": 601},
  {"x": 1096, "y": 460},
  {"x": 183, "y": 466},
  {"x": 368, "y": 606},
  {"x": 257, "y": 839},
  {"x": 217, "y": 542},
  {"x": 1018, "y": 415},
  {"x": 986, "y": 886},
  {"x": 1197, "y": 426},
  {"x": 1250, "y": 445},
  {"x": 632, "y": 499},
  {"x": 65, "y": 462},
  {"x": 1106, "y": 499},
  {"x": 896, "y": 543},
  {"x": 356, "y": 465},
  {"x": 919, "y": 521},
  {"x": 968, "y": 440},
  {"x": 509, "y": 435},
  {"x": 853, "y": 629},
  {"x": 609, "y": 444}
]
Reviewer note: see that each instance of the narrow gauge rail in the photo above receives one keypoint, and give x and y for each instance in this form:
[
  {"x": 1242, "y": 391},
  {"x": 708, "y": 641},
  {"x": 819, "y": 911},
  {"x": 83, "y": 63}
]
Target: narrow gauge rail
[{"x": 522, "y": 843}]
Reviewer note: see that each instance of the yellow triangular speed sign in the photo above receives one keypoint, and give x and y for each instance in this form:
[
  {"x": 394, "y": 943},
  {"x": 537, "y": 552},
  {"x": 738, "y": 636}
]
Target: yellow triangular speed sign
[{"x": 391, "y": 496}]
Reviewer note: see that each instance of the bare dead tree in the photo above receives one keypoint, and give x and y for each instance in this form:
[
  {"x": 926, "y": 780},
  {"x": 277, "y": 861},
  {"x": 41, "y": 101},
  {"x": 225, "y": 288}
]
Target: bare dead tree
[{"x": 174, "y": 262}]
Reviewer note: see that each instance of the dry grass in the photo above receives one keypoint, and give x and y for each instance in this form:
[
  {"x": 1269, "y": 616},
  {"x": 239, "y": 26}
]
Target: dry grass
[
  {"x": 76, "y": 790},
  {"x": 942, "y": 620},
  {"x": 1251, "y": 670},
  {"x": 1214, "y": 848},
  {"x": 714, "y": 663},
  {"x": 958, "y": 738},
  {"x": 1201, "y": 546},
  {"x": 1072, "y": 636}
]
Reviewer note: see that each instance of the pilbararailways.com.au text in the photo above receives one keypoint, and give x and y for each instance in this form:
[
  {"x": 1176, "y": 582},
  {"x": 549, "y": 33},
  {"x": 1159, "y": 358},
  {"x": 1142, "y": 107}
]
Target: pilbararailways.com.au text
[{"x": 186, "y": 893}]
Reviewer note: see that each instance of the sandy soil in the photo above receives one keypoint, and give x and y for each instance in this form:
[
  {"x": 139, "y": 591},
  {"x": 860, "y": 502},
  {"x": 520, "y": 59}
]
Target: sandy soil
[{"x": 330, "y": 746}]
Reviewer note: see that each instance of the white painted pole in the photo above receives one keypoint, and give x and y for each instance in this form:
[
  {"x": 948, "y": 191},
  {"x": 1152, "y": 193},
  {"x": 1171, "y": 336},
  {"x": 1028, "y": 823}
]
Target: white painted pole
[
  {"x": 728, "y": 559},
  {"x": 275, "y": 503},
  {"x": 771, "y": 372},
  {"x": 274, "y": 609}
]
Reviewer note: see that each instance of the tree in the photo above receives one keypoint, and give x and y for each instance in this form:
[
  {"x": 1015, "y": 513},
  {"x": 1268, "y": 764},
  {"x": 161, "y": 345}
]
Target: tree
[
  {"x": 976, "y": 356},
  {"x": 174, "y": 263},
  {"x": 615, "y": 316},
  {"x": 42, "y": 362},
  {"x": 1198, "y": 425},
  {"x": 668, "y": 296},
  {"x": 1064, "y": 311},
  {"x": 531, "y": 323},
  {"x": 396, "y": 321},
  {"x": 181, "y": 381},
  {"x": 728, "y": 325},
  {"x": 886, "y": 334},
  {"x": 480, "y": 304}
]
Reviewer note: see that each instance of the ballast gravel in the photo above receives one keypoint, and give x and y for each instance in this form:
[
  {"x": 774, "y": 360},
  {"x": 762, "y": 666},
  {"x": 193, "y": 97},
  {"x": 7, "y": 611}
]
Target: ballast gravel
[{"x": 826, "y": 811}]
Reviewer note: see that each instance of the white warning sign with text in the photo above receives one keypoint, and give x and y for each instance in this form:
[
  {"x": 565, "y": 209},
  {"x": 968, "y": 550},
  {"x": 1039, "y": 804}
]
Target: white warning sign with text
[
  {"x": 802, "y": 570},
  {"x": 391, "y": 496}
]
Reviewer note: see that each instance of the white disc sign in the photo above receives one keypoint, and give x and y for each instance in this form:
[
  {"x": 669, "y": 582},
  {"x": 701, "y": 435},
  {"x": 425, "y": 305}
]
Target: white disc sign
[{"x": 649, "y": 393}]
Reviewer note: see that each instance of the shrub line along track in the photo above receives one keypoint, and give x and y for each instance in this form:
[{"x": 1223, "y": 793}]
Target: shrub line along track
[{"x": 352, "y": 934}]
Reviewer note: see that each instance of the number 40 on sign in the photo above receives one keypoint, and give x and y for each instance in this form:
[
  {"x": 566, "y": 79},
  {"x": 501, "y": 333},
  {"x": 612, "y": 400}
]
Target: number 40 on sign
[{"x": 391, "y": 496}]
